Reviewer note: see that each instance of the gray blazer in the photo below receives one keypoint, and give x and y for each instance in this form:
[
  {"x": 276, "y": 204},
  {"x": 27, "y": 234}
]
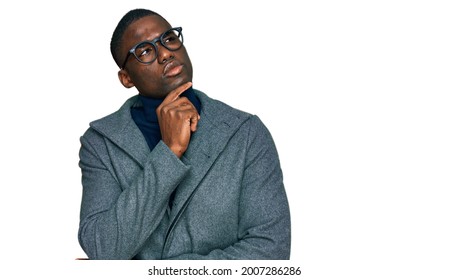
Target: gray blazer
[{"x": 229, "y": 201}]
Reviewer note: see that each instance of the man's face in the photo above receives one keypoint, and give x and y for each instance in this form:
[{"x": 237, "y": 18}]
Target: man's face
[{"x": 170, "y": 69}]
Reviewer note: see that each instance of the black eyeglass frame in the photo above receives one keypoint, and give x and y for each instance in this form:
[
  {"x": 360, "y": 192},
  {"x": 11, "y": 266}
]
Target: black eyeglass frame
[{"x": 153, "y": 42}]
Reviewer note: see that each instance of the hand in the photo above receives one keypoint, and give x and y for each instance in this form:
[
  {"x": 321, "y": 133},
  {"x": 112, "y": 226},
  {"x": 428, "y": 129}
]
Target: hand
[{"x": 178, "y": 118}]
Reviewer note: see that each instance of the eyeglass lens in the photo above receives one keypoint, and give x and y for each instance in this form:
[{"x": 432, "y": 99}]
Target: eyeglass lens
[{"x": 146, "y": 51}]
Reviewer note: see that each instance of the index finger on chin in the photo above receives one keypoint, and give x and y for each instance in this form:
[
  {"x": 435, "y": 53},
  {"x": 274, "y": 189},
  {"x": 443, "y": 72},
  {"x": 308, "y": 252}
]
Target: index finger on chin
[{"x": 174, "y": 94}]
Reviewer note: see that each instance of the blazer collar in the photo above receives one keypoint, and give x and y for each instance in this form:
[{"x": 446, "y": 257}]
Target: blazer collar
[
  {"x": 218, "y": 121},
  {"x": 120, "y": 128}
]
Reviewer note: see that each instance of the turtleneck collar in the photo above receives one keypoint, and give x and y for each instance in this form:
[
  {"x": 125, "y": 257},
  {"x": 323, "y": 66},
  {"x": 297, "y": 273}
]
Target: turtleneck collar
[
  {"x": 150, "y": 104},
  {"x": 146, "y": 119}
]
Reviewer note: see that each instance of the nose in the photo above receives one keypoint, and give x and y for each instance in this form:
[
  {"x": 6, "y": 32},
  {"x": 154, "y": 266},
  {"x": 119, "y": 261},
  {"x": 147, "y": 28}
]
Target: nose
[{"x": 164, "y": 54}]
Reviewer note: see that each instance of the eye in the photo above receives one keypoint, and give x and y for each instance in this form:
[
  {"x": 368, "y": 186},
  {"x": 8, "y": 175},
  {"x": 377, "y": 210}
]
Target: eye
[
  {"x": 144, "y": 50},
  {"x": 170, "y": 37}
]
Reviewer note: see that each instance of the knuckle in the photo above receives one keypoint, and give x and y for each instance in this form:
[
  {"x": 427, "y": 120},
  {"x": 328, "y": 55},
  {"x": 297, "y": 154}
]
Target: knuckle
[
  {"x": 179, "y": 113},
  {"x": 165, "y": 110}
]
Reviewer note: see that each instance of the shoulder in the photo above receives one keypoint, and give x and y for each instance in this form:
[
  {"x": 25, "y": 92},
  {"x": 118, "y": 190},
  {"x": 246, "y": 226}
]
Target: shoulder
[
  {"x": 122, "y": 114},
  {"x": 219, "y": 112},
  {"x": 114, "y": 122},
  {"x": 223, "y": 110}
]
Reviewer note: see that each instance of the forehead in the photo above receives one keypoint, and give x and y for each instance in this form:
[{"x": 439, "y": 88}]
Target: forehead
[{"x": 146, "y": 28}]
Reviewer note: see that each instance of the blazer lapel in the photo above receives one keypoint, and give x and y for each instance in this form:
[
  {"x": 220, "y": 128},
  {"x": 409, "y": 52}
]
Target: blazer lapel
[
  {"x": 204, "y": 148},
  {"x": 215, "y": 129}
]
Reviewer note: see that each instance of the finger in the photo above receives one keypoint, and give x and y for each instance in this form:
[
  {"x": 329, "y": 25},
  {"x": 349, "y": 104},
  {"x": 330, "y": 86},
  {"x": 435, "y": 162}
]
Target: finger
[
  {"x": 174, "y": 94},
  {"x": 181, "y": 101},
  {"x": 194, "y": 122},
  {"x": 191, "y": 115},
  {"x": 166, "y": 108}
]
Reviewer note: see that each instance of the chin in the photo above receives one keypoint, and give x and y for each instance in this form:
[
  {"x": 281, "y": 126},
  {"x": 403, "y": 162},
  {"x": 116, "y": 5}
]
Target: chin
[{"x": 178, "y": 82}]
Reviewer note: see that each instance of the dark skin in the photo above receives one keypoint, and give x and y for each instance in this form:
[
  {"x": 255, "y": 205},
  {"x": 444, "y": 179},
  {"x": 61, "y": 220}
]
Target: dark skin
[{"x": 167, "y": 77}]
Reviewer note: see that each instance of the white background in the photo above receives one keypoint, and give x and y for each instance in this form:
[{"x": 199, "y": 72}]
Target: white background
[{"x": 355, "y": 94}]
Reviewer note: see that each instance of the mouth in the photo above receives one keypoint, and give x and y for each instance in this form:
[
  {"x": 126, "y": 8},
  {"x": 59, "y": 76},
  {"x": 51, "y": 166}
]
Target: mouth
[{"x": 173, "y": 69}]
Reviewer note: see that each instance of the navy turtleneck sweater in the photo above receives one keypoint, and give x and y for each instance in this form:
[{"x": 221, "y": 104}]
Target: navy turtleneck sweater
[{"x": 146, "y": 119}]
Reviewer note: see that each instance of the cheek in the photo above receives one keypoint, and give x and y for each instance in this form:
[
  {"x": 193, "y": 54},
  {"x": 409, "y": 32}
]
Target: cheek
[
  {"x": 151, "y": 88},
  {"x": 146, "y": 79}
]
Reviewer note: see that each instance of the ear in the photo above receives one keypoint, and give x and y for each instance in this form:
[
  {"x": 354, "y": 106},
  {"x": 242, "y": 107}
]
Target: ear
[{"x": 125, "y": 79}]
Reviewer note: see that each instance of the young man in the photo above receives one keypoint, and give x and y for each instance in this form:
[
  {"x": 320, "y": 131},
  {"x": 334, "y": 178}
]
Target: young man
[{"x": 174, "y": 174}]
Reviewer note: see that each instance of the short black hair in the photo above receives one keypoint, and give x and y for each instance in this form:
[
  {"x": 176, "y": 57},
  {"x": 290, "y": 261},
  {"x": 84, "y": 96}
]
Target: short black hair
[{"x": 127, "y": 19}]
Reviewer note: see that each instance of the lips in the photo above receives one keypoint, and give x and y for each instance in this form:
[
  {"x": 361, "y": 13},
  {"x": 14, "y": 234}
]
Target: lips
[{"x": 173, "y": 68}]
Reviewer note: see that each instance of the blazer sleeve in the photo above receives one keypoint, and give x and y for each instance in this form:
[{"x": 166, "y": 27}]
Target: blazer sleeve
[
  {"x": 115, "y": 221},
  {"x": 264, "y": 216}
]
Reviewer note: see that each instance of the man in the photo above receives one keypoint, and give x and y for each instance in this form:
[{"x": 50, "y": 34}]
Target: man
[{"x": 174, "y": 174}]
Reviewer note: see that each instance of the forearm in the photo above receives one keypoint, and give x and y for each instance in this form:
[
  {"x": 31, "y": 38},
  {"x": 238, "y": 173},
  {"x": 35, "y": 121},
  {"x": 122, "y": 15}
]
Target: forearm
[
  {"x": 248, "y": 249},
  {"x": 116, "y": 223},
  {"x": 264, "y": 235}
]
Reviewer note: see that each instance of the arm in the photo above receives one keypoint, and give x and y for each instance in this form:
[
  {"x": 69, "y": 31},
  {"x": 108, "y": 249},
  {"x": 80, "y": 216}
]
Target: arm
[
  {"x": 264, "y": 217},
  {"x": 116, "y": 220},
  {"x": 115, "y": 223}
]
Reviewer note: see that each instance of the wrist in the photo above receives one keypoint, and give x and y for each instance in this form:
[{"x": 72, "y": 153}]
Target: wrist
[{"x": 177, "y": 150}]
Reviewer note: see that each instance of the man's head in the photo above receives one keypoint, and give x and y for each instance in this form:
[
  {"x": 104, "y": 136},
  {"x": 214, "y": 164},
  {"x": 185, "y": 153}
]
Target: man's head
[{"x": 170, "y": 68}]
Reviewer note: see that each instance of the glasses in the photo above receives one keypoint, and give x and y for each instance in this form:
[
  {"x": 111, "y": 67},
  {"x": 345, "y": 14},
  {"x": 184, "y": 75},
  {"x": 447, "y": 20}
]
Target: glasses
[{"x": 146, "y": 52}]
